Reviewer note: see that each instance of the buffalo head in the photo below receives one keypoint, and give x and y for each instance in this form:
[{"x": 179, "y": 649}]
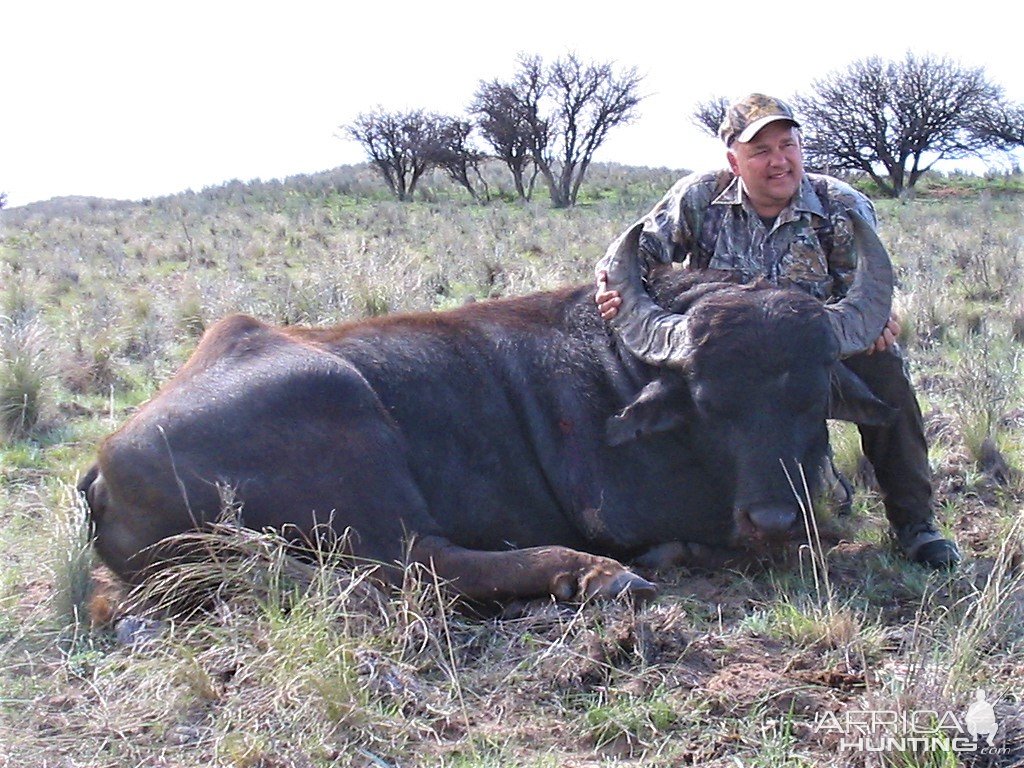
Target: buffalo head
[{"x": 750, "y": 373}]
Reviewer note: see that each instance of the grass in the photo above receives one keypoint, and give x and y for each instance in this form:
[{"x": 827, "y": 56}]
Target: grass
[
  {"x": 73, "y": 561},
  {"x": 23, "y": 376},
  {"x": 278, "y": 663},
  {"x": 986, "y": 382},
  {"x": 631, "y": 724}
]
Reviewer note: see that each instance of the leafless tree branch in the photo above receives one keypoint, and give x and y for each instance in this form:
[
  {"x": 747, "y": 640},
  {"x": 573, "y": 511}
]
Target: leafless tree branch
[
  {"x": 708, "y": 115},
  {"x": 893, "y": 120},
  {"x": 398, "y": 145},
  {"x": 555, "y": 118}
]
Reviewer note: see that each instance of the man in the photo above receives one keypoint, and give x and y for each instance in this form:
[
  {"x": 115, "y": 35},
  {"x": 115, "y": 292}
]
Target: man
[{"x": 766, "y": 218}]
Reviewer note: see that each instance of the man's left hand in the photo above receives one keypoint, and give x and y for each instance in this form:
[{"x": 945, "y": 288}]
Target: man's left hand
[
  {"x": 608, "y": 302},
  {"x": 887, "y": 339}
]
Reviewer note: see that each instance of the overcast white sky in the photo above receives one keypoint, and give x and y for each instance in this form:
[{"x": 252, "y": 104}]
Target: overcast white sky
[{"x": 137, "y": 99}]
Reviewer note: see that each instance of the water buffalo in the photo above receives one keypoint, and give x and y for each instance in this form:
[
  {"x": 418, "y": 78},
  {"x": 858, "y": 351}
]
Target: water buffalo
[{"x": 520, "y": 446}]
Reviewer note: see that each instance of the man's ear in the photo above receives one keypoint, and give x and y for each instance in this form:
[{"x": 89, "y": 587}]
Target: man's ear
[
  {"x": 658, "y": 408},
  {"x": 734, "y": 164}
]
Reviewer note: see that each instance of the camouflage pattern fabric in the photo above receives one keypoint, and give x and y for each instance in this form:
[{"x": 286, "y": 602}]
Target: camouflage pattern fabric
[
  {"x": 787, "y": 251},
  {"x": 750, "y": 115}
]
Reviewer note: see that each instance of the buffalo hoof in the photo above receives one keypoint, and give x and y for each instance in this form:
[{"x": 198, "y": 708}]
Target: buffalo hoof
[
  {"x": 630, "y": 585},
  {"x": 603, "y": 583}
]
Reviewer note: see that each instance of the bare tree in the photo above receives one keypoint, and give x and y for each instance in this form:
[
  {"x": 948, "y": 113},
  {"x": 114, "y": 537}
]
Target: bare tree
[
  {"x": 565, "y": 112},
  {"x": 1003, "y": 125},
  {"x": 500, "y": 115},
  {"x": 893, "y": 120},
  {"x": 454, "y": 153},
  {"x": 3, "y": 199},
  {"x": 709, "y": 115},
  {"x": 590, "y": 99},
  {"x": 398, "y": 144}
]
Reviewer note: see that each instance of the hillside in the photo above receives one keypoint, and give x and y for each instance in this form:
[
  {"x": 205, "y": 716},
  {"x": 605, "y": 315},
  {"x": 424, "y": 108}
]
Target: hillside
[{"x": 103, "y": 300}]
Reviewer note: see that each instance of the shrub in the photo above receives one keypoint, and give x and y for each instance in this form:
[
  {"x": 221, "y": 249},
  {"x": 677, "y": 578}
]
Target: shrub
[{"x": 23, "y": 375}]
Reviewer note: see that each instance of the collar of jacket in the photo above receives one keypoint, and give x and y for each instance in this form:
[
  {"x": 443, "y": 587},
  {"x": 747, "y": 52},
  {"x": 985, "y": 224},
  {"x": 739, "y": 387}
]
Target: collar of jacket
[{"x": 806, "y": 199}]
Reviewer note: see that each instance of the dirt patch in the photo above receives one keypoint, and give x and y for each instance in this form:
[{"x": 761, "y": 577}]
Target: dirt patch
[{"x": 741, "y": 689}]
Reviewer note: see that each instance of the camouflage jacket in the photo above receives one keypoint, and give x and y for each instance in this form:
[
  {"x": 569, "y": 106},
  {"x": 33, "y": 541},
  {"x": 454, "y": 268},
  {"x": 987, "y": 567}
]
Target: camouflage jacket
[{"x": 800, "y": 247}]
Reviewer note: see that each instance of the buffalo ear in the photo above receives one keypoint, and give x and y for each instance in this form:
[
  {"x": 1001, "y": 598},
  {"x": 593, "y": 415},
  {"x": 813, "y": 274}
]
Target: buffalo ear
[
  {"x": 851, "y": 400},
  {"x": 658, "y": 408}
]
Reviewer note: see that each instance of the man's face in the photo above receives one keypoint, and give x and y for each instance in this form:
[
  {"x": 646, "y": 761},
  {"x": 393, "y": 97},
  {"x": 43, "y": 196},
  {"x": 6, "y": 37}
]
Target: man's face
[{"x": 771, "y": 166}]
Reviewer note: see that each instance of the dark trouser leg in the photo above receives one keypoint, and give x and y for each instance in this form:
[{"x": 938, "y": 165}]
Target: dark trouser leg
[
  {"x": 898, "y": 451},
  {"x": 899, "y": 454}
]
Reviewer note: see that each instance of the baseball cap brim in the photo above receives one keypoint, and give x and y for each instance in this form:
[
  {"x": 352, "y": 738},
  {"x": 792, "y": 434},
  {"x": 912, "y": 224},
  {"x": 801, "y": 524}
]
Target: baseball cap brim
[{"x": 751, "y": 130}]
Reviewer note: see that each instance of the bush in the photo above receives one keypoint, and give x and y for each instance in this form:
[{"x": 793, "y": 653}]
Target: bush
[{"x": 23, "y": 375}]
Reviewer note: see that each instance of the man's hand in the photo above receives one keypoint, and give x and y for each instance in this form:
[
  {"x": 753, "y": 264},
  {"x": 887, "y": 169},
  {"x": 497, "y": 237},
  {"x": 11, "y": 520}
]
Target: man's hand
[
  {"x": 607, "y": 301},
  {"x": 888, "y": 337}
]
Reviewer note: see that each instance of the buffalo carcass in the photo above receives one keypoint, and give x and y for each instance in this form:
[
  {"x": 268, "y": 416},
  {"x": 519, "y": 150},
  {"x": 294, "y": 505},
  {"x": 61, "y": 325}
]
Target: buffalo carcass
[{"x": 519, "y": 446}]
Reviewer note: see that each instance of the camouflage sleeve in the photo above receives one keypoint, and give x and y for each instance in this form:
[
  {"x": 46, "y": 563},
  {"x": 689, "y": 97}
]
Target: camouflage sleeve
[
  {"x": 669, "y": 227},
  {"x": 842, "y": 263}
]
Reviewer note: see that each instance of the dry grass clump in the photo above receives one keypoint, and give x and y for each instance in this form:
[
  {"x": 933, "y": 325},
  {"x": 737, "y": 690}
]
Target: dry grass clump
[
  {"x": 24, "y": 373},
  {"x": 71, "y": 551},
  {"x": 91, "y": 367},
  {"x": 985, "y": 387},
  {"x": 1017, "y": 319},
  {"x": 275, "y": 660}
]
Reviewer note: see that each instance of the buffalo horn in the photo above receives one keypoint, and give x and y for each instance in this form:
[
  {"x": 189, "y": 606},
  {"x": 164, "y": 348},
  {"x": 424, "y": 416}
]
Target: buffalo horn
[
  {"x": 858, "y": 319},
  {"x": 658, "y": 336},
  {"x": 649, "y": 332}
]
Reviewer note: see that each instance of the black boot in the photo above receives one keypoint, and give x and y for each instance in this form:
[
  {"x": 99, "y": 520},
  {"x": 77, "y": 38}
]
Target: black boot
[{"x": 922, "y": 543}]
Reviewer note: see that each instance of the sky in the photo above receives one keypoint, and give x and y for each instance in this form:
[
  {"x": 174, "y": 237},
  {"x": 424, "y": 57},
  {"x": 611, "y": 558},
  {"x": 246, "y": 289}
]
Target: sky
[{"x": 141, "y": 99}]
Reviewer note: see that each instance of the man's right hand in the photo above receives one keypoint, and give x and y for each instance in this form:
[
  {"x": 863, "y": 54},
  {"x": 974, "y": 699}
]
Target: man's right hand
[
  {"x": 888, "y": 337},
  {"x": 607, "y": 301}
]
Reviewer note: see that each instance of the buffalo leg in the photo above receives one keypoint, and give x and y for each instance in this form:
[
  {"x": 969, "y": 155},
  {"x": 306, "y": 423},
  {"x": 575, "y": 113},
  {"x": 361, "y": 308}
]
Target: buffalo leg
[{"x": 535, "y": 571}]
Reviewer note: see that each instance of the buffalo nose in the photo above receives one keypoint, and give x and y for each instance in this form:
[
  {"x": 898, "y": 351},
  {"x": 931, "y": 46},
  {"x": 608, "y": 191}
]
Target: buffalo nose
[{"x": 772, "y": 521}]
